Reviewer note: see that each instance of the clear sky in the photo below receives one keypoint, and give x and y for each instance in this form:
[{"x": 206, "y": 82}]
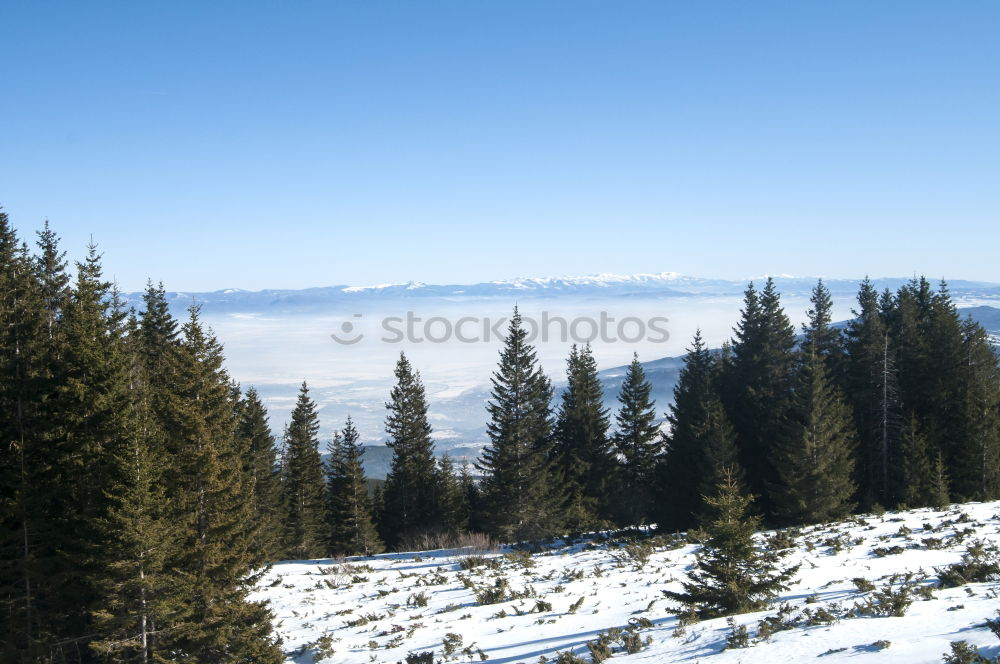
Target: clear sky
[{"x": 296, "y": 144}]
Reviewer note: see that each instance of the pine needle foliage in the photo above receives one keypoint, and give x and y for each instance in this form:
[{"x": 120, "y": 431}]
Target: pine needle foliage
[{"x": 731, "y": 574}]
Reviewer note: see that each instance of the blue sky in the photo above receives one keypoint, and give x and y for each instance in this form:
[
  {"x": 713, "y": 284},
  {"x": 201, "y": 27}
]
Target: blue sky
[{"x": 296, "y": 144}]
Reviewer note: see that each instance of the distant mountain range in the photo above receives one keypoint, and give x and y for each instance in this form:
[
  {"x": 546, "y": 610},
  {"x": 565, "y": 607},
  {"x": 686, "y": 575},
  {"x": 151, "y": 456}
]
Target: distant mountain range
[{"x": 664, "y": 284}]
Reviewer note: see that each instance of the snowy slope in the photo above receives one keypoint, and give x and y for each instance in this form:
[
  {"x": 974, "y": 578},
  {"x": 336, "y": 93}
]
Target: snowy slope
[{"x": 368, "y": 610}]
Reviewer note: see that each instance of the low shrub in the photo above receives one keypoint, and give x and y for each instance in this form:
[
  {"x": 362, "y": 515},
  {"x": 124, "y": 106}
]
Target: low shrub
[
  {"x": 419, "y": 658},
  {"x": 451, "y": 643},
  {"x": 980, "y": 563},
  {"x": 863, "y": 585},
  {"x": 893, "y": 599},
  {"x": 417, "y": 599},
  {"x": 738, "y": 637},
  {"x": 322, "y": 647},
  {"x": 782, "y": 620},
  {"x": 994, "y": 625},
  {"x": 963, "y": 653}
]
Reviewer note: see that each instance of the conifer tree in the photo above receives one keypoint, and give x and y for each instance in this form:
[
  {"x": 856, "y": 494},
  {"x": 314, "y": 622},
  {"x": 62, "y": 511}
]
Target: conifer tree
[
  {"x": 928, "y": 334},
  {"x": 758, "y": 384},
  {"x": 976, "y": 448},
  {"x": 50, "y": 265},
  {"x": 136, "y": 593},
  {"x": 89, "y": 401},
  {"x": 472, "y": 500},
  {"x": 518, "y": 500},
  {"x": 378, "y": 505},
  {"x": 871, "y": 383},
  {"x": 158, "y": 339},
  {"x": 349, "y": 515},
  {"x": 261, "y": 465},
  {"x": 826, "y": 341},
  {"x": 917, "y": 471},
  {"x": 939, "y": 492},
  {"x": 815, "y": 455},
  {"x": 698, "y": 426},
  {"x": 303, "y": 483},
  {"x": 48, "y": 347},
  {"x": 452, "y": 506},
  {"x": 335, "y": 471},
  {"x": 731, "y": 575},
  {"x": 719, "y": 456},
  {"x": 159, "y": 347},
  {"x": 946, "y": 378},
  {"x": 27, "y": 526},
  {"x": 584, "y": 464},
  {"x": 637, "y": 443},
  {"x": 122, "y": 538},
  {"x": 410, "y": 492},
  {"x": 908, "y": 316},
  {"x": 215, "y": 510},
  {"x": 923, "y": 477}
]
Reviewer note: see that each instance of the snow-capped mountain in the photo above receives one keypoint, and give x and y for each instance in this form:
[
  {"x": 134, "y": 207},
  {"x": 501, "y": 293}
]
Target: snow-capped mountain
[{"x": 663, "y": 284}]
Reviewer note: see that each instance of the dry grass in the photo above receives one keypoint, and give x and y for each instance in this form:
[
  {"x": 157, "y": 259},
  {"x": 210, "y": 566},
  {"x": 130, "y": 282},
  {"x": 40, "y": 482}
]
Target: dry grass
[{"x": 476, "y": 543}]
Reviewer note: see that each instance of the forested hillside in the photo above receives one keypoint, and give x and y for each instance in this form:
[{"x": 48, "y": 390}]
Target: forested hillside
[{"x": 143, "y": 494}]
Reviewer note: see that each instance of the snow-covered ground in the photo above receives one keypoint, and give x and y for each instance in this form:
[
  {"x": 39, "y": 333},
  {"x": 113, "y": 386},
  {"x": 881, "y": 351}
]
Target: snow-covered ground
[{"x": 380, "y": 609}]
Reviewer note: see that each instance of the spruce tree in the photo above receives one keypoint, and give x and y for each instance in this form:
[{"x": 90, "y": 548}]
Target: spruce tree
[
  {"x": 472, "y": 500},
  {"x": 923, "y": 476},
  {"x": 637, "y": 443},
  {"x": 121, "y": 497},
  {"x": 976, "y": 448},
  {"x": 916, "y": 466},
  {"x": 410, "y": 498},
  {"x": 584, "y": 464},
  {"x": 452, "y": 506},
  {"x": 303, "y": 483},
  {"x": 814, "y": 457},
  {"x": 159, "y": 347},
  {"x": 518, "y": 499},
  {"x": 89, "y": 404},
  {"x": 871, "y": 383},
  {"x": 698, "y": 426},
  {"x": 50, "y": 265},
  {"x": 378, "y": 505},
  {"x": 731, "y": 575},
  {"x": 159, "y": 342},
  {"x": 349, "y": 511},
  {"x": 908, "y": 315},
  {"x": 159, "y": 338},
  {"x": 939, "y": 493},
  {"x": 947, "y": 377},
  {"x": 758, "y": 383},
  {"x": 28, "y": 527},
  {"x": 718, "y": 456},
  {"x": 261, "y": 465},
  {"x": 826, "y": 341},
  {"x": 928, "y": 334},
  {"x": 215, "y": 509},
  {"x": 335, "y": 470},
  {"x": 136, "y": 593}
]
